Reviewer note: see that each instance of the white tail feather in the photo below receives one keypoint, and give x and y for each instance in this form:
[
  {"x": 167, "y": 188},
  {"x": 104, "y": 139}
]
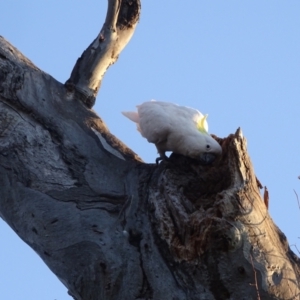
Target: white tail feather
[{"x": 132, "y": 115}]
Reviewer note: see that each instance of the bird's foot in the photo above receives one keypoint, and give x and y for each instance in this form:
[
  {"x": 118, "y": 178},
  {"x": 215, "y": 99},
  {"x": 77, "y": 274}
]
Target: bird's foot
[{"x": 162, "y": 157}]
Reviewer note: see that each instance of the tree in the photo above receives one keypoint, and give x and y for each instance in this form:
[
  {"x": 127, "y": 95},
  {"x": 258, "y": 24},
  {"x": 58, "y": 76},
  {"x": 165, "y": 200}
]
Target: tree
[{"x": 110, "y": 226}]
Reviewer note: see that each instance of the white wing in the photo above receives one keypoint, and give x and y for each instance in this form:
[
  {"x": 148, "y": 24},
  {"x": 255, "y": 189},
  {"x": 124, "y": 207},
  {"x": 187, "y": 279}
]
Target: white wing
[
  {"x": 156, "y": 120},
  {"x": 155, "y": 123}
]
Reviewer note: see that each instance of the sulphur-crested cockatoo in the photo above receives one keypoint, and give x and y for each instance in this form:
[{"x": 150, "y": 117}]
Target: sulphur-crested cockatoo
[{"x": 171, "y": 127}]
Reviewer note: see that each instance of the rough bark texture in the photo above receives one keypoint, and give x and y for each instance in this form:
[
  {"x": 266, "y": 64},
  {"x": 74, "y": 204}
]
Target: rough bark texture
[{"x": 111, "y": 227}]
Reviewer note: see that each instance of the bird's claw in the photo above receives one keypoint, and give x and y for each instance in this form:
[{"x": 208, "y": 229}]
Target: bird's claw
[{"x": 161, "y": 158}]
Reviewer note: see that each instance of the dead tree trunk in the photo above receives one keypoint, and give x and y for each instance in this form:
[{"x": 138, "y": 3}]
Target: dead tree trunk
[{"x": 110, "y": 226}]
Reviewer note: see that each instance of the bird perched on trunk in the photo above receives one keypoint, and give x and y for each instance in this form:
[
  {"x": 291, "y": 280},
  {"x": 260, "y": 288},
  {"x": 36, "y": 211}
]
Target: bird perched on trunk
[{"x": 180, "y": 129}]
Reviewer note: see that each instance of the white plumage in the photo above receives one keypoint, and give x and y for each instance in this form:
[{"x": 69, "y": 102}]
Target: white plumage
[{"x": 171, "y": 127}]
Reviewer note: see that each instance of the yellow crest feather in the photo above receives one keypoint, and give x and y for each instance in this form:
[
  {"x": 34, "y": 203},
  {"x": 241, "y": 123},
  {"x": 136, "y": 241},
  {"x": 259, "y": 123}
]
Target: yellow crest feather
[{"x": 202, "y": 124}]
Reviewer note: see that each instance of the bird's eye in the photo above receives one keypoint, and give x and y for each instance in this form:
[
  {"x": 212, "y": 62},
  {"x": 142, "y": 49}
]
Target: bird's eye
[{"x": 207, "y": 147}]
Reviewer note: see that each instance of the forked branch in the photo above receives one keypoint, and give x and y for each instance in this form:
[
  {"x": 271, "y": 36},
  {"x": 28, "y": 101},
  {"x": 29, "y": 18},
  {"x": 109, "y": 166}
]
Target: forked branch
[{"x": 121, "y": 19}]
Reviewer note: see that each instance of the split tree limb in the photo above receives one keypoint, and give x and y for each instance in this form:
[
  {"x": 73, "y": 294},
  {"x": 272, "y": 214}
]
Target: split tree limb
[{"x": 121, "y": 19}]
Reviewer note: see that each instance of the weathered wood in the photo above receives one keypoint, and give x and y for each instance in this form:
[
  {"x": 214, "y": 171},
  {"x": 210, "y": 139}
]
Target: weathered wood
[
  {"x": 121, "y": 20},
  {"x": 110, "y": 226}
]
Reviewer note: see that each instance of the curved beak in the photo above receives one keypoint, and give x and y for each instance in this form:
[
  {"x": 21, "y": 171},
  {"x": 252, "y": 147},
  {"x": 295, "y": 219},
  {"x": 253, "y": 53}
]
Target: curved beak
[{"x": 208, "y": 158}]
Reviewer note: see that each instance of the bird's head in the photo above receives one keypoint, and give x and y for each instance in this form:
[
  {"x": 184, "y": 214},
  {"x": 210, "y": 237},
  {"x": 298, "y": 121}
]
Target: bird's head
[
  {"x": 210, "y": 150},
  {"x": 208, "y": 147},
  {"x": 202, "y": 147}
]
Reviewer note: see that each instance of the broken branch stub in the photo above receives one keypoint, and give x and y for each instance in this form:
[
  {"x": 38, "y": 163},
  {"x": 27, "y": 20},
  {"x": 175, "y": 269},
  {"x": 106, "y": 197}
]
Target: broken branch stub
[
  {"x": 212, "y": 222},
  {"x": 86, "y": 77}
]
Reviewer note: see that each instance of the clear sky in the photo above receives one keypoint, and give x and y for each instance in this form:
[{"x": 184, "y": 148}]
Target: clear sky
[{"x": 238, "y": 61}]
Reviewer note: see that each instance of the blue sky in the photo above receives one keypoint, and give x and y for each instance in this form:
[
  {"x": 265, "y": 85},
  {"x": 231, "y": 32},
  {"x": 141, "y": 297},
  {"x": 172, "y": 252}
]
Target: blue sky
[{"x": 238, "y": 61}]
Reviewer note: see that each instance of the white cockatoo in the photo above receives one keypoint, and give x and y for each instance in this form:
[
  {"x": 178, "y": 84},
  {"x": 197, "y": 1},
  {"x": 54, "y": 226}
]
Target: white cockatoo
[{"x": 175, "y": 128}]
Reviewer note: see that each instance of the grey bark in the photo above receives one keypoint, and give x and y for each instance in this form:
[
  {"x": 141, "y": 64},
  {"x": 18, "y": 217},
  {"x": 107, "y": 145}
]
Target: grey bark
[{"x": 111, "y": 227}]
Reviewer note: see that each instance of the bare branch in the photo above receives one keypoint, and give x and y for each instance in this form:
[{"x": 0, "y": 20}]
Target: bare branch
[
  {"x": 121, "y": 19},
  {"x": 112, "y": 14}
]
